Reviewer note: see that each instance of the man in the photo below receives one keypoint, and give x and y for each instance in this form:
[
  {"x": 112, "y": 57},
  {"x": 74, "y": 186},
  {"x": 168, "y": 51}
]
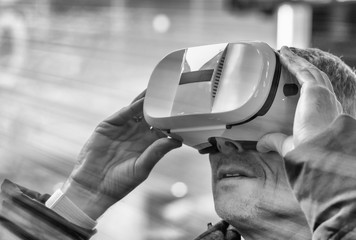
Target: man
[{"x": 251, "y": 189}]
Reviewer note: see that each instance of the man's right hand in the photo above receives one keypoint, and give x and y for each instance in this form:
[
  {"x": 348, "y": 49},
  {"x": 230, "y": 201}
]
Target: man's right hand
[{"x": 118, "y": 156}]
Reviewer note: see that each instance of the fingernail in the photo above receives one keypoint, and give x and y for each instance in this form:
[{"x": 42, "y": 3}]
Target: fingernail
[
  {"x": 212, "y": 141},
  {"x": 178, "y": 142},
  {"x": 230, "y": 144},
  {"x": 210, "y": 225},
  {"x": 285, "y": 49}
]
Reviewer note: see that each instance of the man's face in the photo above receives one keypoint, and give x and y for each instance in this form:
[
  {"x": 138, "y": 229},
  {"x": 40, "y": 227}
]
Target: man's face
[{"x": 250, "y": 188}]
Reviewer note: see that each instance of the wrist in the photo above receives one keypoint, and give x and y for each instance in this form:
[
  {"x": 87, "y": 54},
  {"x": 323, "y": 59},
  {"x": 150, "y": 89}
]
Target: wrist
[
  {"x": 63, "y": 206},
  {"x": 89, "y": 202}
]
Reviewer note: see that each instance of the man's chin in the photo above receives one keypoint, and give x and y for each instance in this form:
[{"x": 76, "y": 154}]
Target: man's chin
[{"x": 235, "y": 212}]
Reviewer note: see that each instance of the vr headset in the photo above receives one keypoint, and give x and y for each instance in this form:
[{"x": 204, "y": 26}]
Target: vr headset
[{"x": 232, "y": 90}]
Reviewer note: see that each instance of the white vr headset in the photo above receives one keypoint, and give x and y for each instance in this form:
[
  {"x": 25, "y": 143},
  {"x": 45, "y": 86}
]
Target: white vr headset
[{"x": 232, "y": 90}]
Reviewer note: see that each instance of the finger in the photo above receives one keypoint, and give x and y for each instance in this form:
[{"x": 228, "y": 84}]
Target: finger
[
  {"x": 317, "y": 104},
  {"x": 141, "y": 95},
  {"x": 316, "y": 109},
  {"x": 339, "y": 107},
  {"x": 275, "y": 142},
  {"x": 308, "y": 69},
  {"x": 135, "y": 110},
  {"x": 303, "y": 70},
  {"x": 153, "y": 154},
  {"x": 328, "y": 82}
]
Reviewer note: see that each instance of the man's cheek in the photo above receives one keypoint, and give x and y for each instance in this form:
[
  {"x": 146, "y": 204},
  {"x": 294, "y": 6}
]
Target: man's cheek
[
  {"x": 219, "y": 201},
  {"x": 213, "y": 175},
  {"x": 213, "y": 186}
]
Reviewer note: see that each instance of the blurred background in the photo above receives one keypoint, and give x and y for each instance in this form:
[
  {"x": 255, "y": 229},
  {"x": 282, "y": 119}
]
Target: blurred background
[{"x": 67, "y": 65}]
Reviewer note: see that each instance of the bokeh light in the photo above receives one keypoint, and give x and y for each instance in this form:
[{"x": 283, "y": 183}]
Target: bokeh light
[
  {"x": 161, "y": 23},
  {"x": 179, "y": 189}
]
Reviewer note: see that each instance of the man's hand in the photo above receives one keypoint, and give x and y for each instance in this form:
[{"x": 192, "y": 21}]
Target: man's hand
[
  {"x": 316, "y": 110},
  {"x": 119, "y": 156}
]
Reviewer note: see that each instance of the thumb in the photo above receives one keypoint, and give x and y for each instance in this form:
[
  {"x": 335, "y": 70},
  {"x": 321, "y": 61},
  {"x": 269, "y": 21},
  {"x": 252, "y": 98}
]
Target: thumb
[
  {"x": 277, "y": 142},
  {"x": 154, "y": 153}
]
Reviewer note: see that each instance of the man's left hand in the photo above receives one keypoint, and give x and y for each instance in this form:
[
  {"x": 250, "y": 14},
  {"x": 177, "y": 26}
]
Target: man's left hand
[{"x": 317, "y": 107}]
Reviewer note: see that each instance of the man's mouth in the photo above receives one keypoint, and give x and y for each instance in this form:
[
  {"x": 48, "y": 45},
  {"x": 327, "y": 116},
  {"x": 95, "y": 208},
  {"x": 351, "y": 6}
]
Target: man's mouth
[
  {"x": 230, "y": 175},
  {"x": 234, "y": 173}
]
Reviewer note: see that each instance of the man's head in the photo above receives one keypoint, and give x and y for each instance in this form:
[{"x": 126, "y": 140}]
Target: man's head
[{"x": 251, "y": 189}]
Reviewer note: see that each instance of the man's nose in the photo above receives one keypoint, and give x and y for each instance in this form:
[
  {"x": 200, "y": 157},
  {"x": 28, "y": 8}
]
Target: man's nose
[{"x": 225, "y": 145}]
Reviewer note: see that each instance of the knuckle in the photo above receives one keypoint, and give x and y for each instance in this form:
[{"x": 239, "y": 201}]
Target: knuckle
[
  {"x": 318, "y": 90},
  {"x": 314, "y": 70},
  {"x": 324, "y": 75},
  {"x": 101, "y": 127},
  {"x": 306, "y": 74}
]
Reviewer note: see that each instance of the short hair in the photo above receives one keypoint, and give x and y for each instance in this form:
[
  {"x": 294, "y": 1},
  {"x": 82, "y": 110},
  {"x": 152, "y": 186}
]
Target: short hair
[{"x": 342, "y": 77}]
